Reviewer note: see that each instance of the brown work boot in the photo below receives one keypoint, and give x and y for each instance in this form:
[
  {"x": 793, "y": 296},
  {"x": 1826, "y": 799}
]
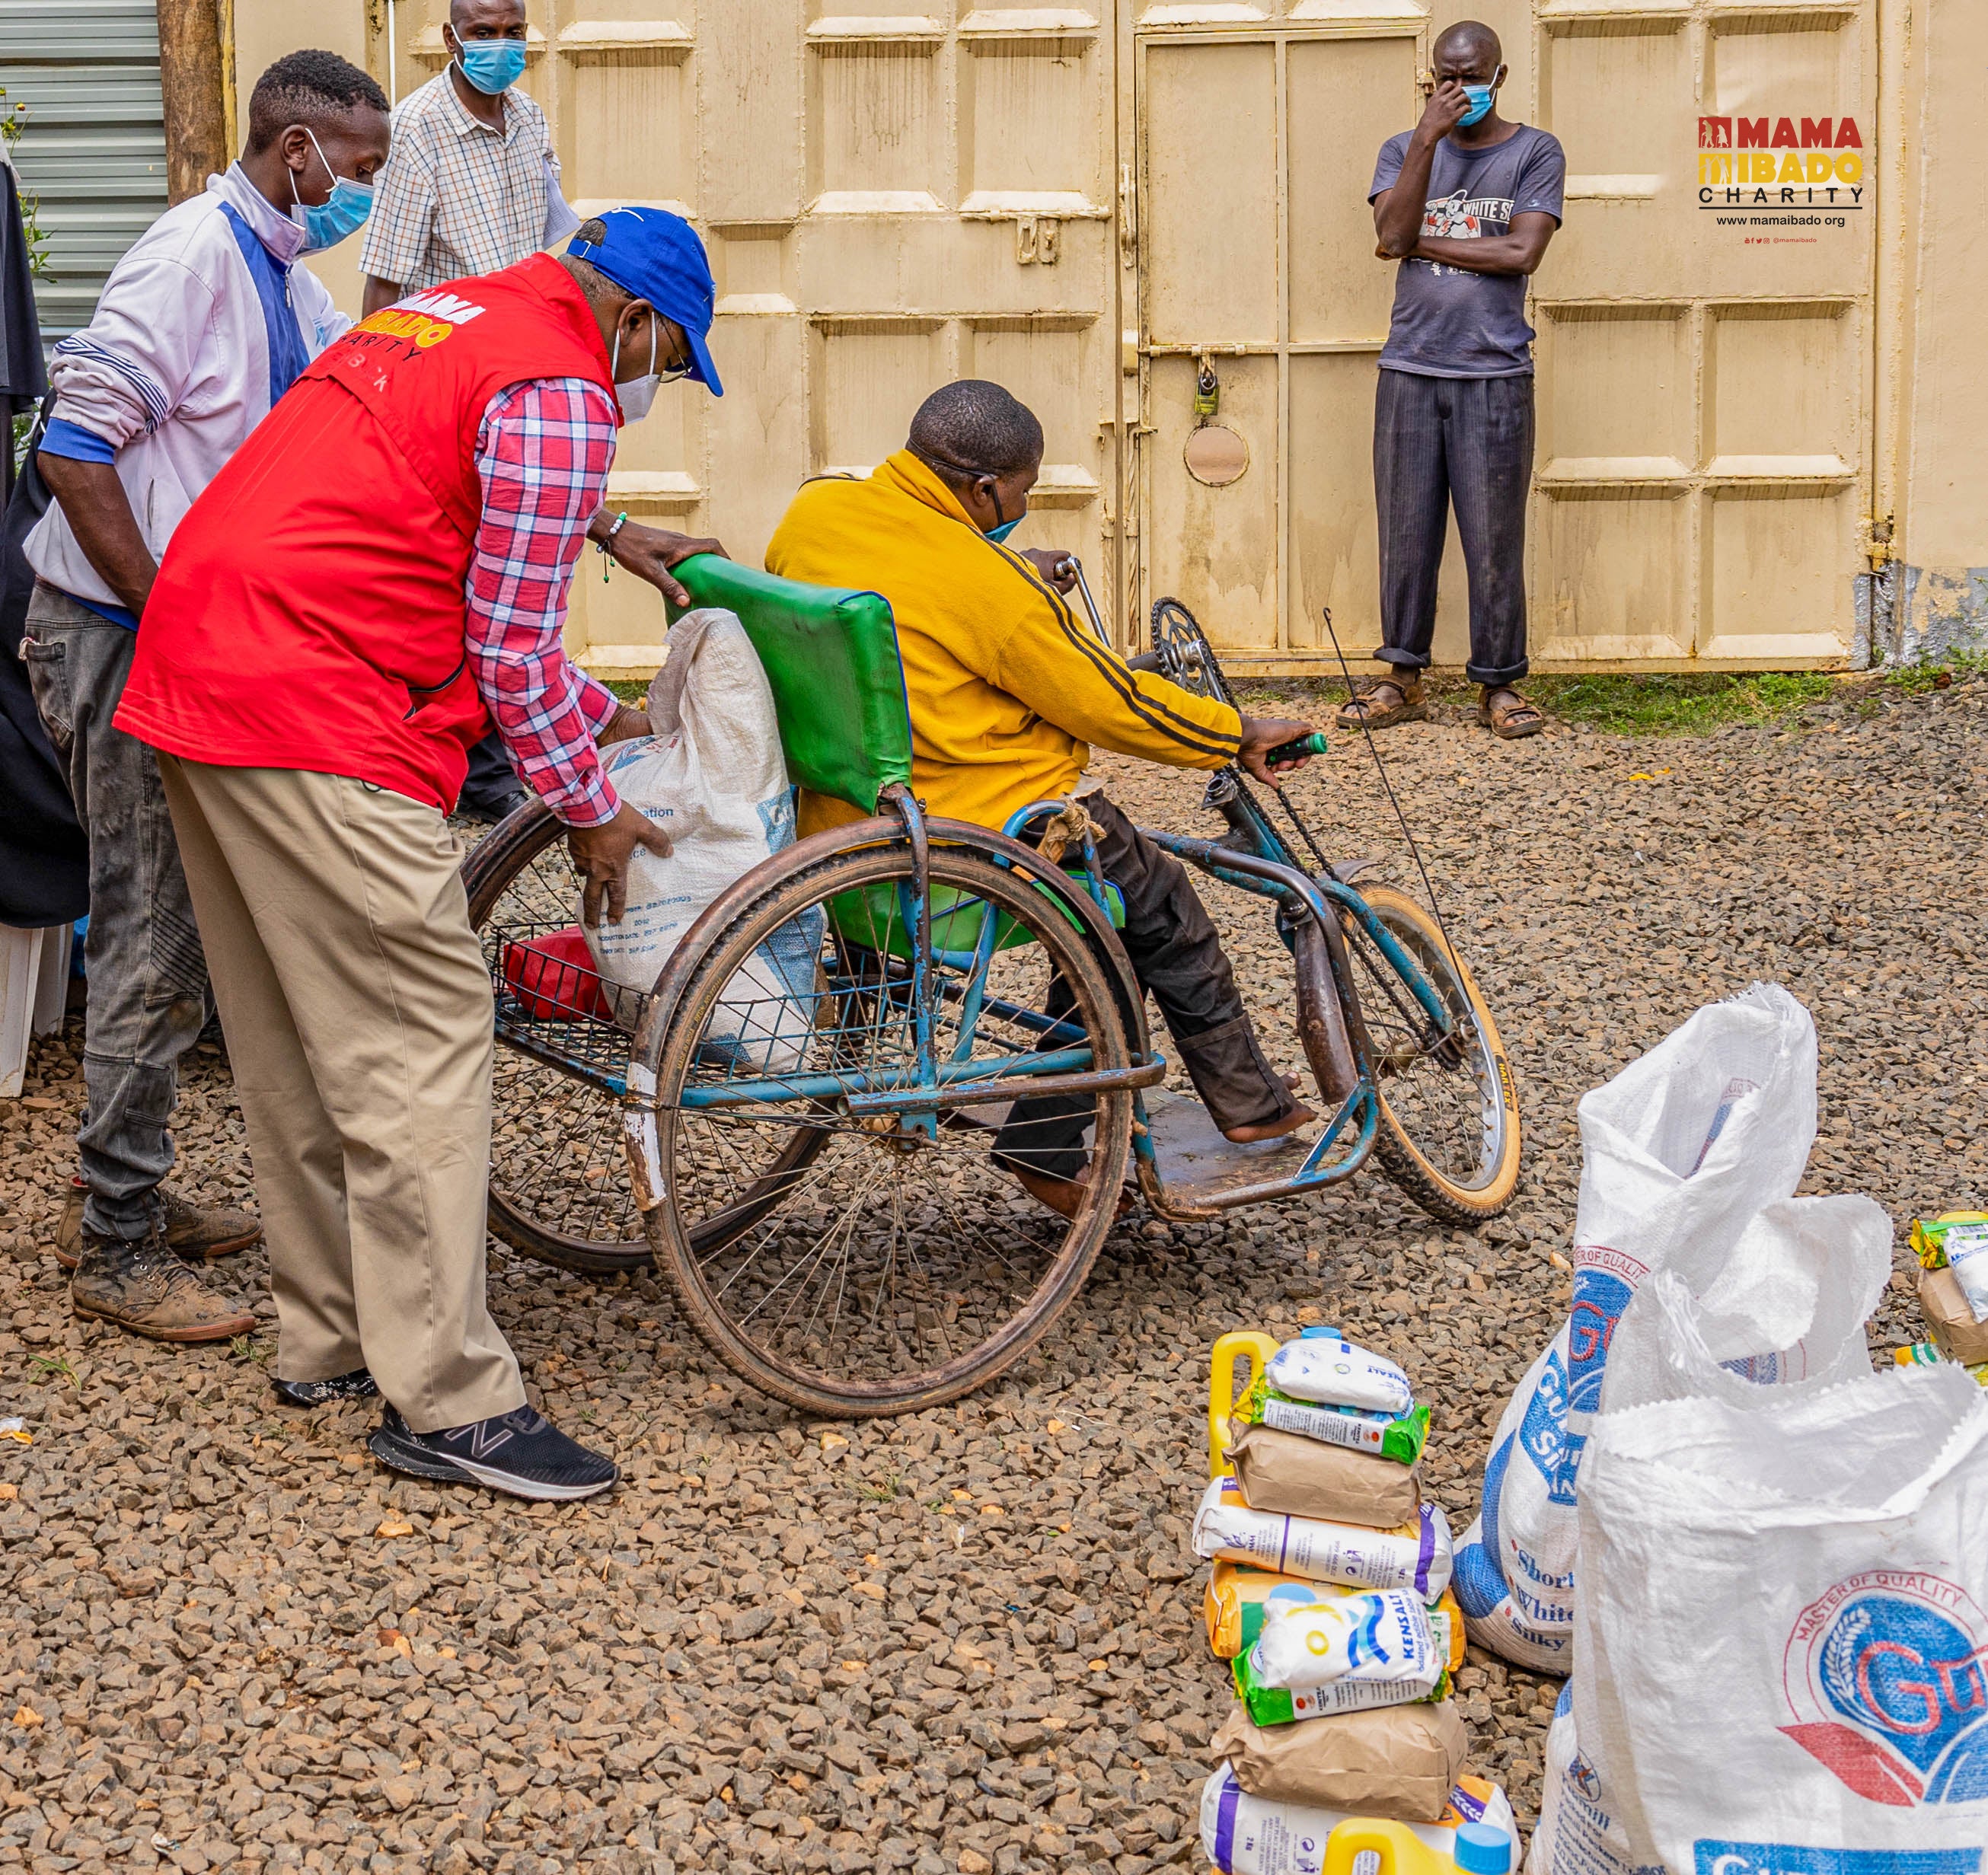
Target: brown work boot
[
  {"x": 141, "y": 1285},
  {"x": 198, "y": 1234}
]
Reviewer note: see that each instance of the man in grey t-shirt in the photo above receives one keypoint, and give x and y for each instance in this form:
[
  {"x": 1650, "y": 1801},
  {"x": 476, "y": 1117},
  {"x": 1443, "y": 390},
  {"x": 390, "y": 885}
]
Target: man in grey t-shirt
[{"x": 1466, "y": 202}]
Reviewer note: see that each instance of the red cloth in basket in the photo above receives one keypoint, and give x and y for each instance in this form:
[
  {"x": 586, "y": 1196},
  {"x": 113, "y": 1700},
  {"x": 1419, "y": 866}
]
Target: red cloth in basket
[{"x": 554, "y": 978}]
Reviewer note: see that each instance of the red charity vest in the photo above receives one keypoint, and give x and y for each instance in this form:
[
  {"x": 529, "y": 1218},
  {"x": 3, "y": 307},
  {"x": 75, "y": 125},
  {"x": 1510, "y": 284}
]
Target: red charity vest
[{"x": 309, "y": 612}]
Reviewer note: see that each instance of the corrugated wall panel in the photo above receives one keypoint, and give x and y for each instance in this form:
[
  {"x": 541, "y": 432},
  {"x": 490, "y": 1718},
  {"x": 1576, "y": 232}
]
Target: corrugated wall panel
[{"x": 94, "y": 151}]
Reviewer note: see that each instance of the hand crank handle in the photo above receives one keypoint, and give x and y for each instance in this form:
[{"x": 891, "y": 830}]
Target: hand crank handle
[{"x": 1313, "y": 744}]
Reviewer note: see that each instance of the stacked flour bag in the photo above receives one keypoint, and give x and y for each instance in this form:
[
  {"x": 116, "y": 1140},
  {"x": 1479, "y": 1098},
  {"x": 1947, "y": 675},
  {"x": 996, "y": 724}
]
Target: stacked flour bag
[
  {"x": 1953, "y": 1251},
  {"x": 1328, "y": 1599},
  {"x": 1678, "y": 1152}
]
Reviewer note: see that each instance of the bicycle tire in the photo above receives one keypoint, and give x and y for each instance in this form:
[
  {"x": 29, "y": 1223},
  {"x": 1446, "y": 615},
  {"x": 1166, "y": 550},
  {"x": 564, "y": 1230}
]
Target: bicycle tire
[
  {"x": 1415, "y": 1166},
  {"x": 617, "y": 1244},
  {"x": 705, "y": 1293}
]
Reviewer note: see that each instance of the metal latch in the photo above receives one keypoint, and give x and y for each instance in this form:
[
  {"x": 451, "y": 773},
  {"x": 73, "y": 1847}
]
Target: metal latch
[
  {"x": 1037, "y": 240},
  {"x": 1879, "y": 551}
]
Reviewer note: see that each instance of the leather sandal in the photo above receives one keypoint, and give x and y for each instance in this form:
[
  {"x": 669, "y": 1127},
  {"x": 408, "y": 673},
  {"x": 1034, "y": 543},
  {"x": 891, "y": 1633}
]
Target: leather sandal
[
  {"x": 1512, "y": 717},
  {"x": 1368, "y": 706}
]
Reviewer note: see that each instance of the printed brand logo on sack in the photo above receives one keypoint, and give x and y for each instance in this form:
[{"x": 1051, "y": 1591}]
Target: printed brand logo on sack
[
  {"x": 1887, "y": 1680},
  {"x": 1543, "y": 1431},
  {"x": 1714, "y": 1858}
]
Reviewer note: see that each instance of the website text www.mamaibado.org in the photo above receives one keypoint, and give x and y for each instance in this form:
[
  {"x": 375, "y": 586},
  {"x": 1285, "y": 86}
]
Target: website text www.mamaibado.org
[{"x": 1780, "y": 220}]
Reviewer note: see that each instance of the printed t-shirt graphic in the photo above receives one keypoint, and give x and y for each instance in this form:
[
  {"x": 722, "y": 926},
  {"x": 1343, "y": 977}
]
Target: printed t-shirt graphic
[{"x": 1448, "y": 322}]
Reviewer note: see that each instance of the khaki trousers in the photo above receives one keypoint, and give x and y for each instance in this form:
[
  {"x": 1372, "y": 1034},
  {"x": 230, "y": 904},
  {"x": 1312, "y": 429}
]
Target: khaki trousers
[{"x": 357, "y": 1010}]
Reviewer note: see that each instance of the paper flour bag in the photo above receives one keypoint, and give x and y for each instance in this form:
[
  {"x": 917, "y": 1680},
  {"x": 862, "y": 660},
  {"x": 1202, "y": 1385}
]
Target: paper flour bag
[
  {"x": 1782, "y": 1625},
  {"x": 712, "y": 776},
  {"x": 1679, "y": 1151}
]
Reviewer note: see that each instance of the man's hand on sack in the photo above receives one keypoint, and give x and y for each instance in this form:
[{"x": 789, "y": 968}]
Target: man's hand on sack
[
  {"x": 649, "y": 552},
  {"x": 1261, "y": 734},
  {"x": 600, "y": 855},
  {"x": 1054, "y": 563}
]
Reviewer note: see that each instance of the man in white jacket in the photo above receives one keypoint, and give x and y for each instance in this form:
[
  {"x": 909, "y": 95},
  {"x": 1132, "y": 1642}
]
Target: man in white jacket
[{"x": 203, "y": 324}]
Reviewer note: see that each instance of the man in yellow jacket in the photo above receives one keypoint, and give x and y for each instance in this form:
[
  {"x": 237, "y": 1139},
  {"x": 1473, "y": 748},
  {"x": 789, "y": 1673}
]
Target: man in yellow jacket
[{"x": 1008, "y": 691}]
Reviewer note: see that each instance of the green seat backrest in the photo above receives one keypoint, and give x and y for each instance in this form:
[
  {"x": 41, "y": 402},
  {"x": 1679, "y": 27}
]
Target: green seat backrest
[{"x": 831, "y": 658}]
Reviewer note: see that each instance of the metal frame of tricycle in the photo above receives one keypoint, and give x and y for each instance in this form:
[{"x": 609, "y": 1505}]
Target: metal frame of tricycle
[{"x": 1337, "y": 1048}]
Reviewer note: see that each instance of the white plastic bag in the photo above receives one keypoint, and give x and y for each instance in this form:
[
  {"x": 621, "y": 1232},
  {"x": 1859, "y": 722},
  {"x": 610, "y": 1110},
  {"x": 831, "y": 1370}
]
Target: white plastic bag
[
  {"x": 713, "y": 777},
  {"x": 1783, "y": 1623},
  {"x": 1786, "y": 1312},
  {"x": 1679, "y": 1151},
  {"x": 1787, "y": 1308}
]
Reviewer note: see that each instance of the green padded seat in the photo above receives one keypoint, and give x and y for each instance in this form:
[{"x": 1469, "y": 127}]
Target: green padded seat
[{"x": 831, "y": 658}]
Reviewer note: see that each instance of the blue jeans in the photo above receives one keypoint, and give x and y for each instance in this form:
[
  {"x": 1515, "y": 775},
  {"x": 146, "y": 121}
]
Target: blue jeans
[
  {"x": 1465, "y": 442},
  {"x": 148, "y": 976}
]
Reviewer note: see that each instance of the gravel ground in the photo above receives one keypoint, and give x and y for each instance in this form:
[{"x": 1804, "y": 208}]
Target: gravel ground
[{"x": 968, "y": 1640}]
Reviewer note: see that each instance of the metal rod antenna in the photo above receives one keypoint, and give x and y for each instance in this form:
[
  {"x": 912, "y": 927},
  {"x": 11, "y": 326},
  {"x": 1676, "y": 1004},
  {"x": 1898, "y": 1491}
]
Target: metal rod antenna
[{"x": 1381, "y": 768}]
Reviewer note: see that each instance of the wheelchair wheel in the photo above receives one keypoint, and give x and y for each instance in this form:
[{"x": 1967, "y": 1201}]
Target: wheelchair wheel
[
  {"x": 898, "y": 1266},
  {"x": 559, "y": 1182},
  {"x": 558, "y": 1176},
  {"x": 1450, "y": 1114}
]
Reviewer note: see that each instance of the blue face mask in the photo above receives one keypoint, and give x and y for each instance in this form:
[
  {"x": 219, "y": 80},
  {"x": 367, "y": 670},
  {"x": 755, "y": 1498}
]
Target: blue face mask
[
  {"x": 492, "y": 66},
  {"x": 1005, "y": 528},
  {"x": 345, "y": 213},
  {"x": 1481, "y": 97}
]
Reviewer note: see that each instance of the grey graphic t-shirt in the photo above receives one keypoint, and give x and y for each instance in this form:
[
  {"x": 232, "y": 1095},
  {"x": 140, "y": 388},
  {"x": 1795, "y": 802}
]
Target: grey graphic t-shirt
[{"x": 1450, "y": 322}]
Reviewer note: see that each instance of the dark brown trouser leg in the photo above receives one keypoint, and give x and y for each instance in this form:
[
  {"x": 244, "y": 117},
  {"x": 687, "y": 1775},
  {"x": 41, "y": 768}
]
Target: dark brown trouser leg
[{"x": 1176, "y": 956}]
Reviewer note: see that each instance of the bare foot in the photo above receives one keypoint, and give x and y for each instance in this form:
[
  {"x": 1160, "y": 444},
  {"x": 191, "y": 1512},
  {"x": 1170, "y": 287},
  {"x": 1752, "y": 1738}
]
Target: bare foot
[
  {"x": 1064, "y": 1196},
  {"x": 1300, "y": 1115}
]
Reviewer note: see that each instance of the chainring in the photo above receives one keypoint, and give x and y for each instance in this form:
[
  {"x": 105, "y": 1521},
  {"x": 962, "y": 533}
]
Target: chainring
[{"x": 1185, "y": 656}]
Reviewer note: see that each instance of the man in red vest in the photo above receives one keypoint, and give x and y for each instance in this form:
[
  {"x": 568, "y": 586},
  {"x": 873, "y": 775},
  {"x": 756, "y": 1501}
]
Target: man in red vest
[{"x": 378, "y": 572}]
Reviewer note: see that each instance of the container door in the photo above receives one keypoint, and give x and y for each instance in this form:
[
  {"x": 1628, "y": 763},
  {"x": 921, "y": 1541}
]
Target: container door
[
  {"x": 1261, "y": 312},
  {"x": 92, "y": 156},
  {"x": 1705, "y": 337},
  {"x": 895, "y": 195}
]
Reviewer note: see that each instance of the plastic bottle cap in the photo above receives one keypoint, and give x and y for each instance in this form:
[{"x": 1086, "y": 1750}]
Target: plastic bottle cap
[
  {"x": 1483, "y": 1850},
  {"x": 1317, "y": 1333}
]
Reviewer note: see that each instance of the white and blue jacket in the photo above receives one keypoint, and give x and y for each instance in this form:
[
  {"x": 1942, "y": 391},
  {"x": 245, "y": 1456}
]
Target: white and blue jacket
[{"x": 207, "y": 320}]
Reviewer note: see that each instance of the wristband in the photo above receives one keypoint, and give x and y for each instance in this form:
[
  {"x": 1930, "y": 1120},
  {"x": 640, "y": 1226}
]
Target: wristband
[{"x": 601, "y": 545}]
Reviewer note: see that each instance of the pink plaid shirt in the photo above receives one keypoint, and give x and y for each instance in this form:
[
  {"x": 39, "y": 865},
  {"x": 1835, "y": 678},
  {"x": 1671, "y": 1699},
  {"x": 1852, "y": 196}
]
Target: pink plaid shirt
[{"x": 543, "y": 450}]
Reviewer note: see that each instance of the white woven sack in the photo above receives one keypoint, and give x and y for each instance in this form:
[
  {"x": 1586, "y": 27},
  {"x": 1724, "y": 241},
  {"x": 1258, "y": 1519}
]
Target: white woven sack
[
  {"x": 1679, "y": 1151},
  {"x": 1576, "y": 1834},
  {"x": 712, "y": 776},
  {"x": 1783, "y": 1625}
]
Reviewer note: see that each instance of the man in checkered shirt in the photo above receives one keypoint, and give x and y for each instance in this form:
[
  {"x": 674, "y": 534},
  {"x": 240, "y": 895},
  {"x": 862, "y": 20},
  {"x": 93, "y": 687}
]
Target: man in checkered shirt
[
  {"x": 472, "y": 185},
  {"x": 385, "y": 560}
]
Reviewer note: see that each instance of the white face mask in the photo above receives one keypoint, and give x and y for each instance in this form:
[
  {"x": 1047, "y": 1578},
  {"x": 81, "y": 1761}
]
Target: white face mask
[{"x": 638, "y": 395}]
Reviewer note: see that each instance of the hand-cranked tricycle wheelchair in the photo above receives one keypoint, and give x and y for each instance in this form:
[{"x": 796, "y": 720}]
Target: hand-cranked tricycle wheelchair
[{"x": 798, "y": 1123}]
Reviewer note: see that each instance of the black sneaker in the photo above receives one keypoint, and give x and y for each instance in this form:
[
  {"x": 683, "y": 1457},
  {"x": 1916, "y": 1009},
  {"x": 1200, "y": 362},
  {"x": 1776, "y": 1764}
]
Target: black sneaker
[
  {"x": 520, "y": 1452},
  {"x": 356, "y": 1385},
  {"x": 492, "y": 808}
]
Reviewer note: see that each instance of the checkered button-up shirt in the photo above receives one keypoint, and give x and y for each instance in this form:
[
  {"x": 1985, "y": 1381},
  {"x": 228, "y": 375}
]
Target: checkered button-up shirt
[
  {"x": 456, "y": 198},
  {"x": 543, "y": 450}
]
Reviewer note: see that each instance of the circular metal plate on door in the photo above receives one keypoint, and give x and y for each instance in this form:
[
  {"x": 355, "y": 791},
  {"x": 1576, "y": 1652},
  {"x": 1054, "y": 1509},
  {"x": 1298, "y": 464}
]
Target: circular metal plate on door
[{"x": 1216, "y": 455}]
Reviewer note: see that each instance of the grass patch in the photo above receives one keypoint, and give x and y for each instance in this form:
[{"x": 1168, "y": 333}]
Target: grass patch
[
  {"x": 1687, "y": 703},
  {"x": 630, "y": 690}
]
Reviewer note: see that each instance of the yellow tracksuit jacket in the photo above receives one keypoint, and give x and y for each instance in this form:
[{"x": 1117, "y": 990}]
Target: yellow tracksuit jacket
[{"x": 1008, "y": 686}]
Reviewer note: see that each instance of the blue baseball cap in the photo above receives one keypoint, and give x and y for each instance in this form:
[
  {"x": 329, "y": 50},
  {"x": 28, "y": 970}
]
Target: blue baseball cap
[{"x": 657, "y": 256}]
